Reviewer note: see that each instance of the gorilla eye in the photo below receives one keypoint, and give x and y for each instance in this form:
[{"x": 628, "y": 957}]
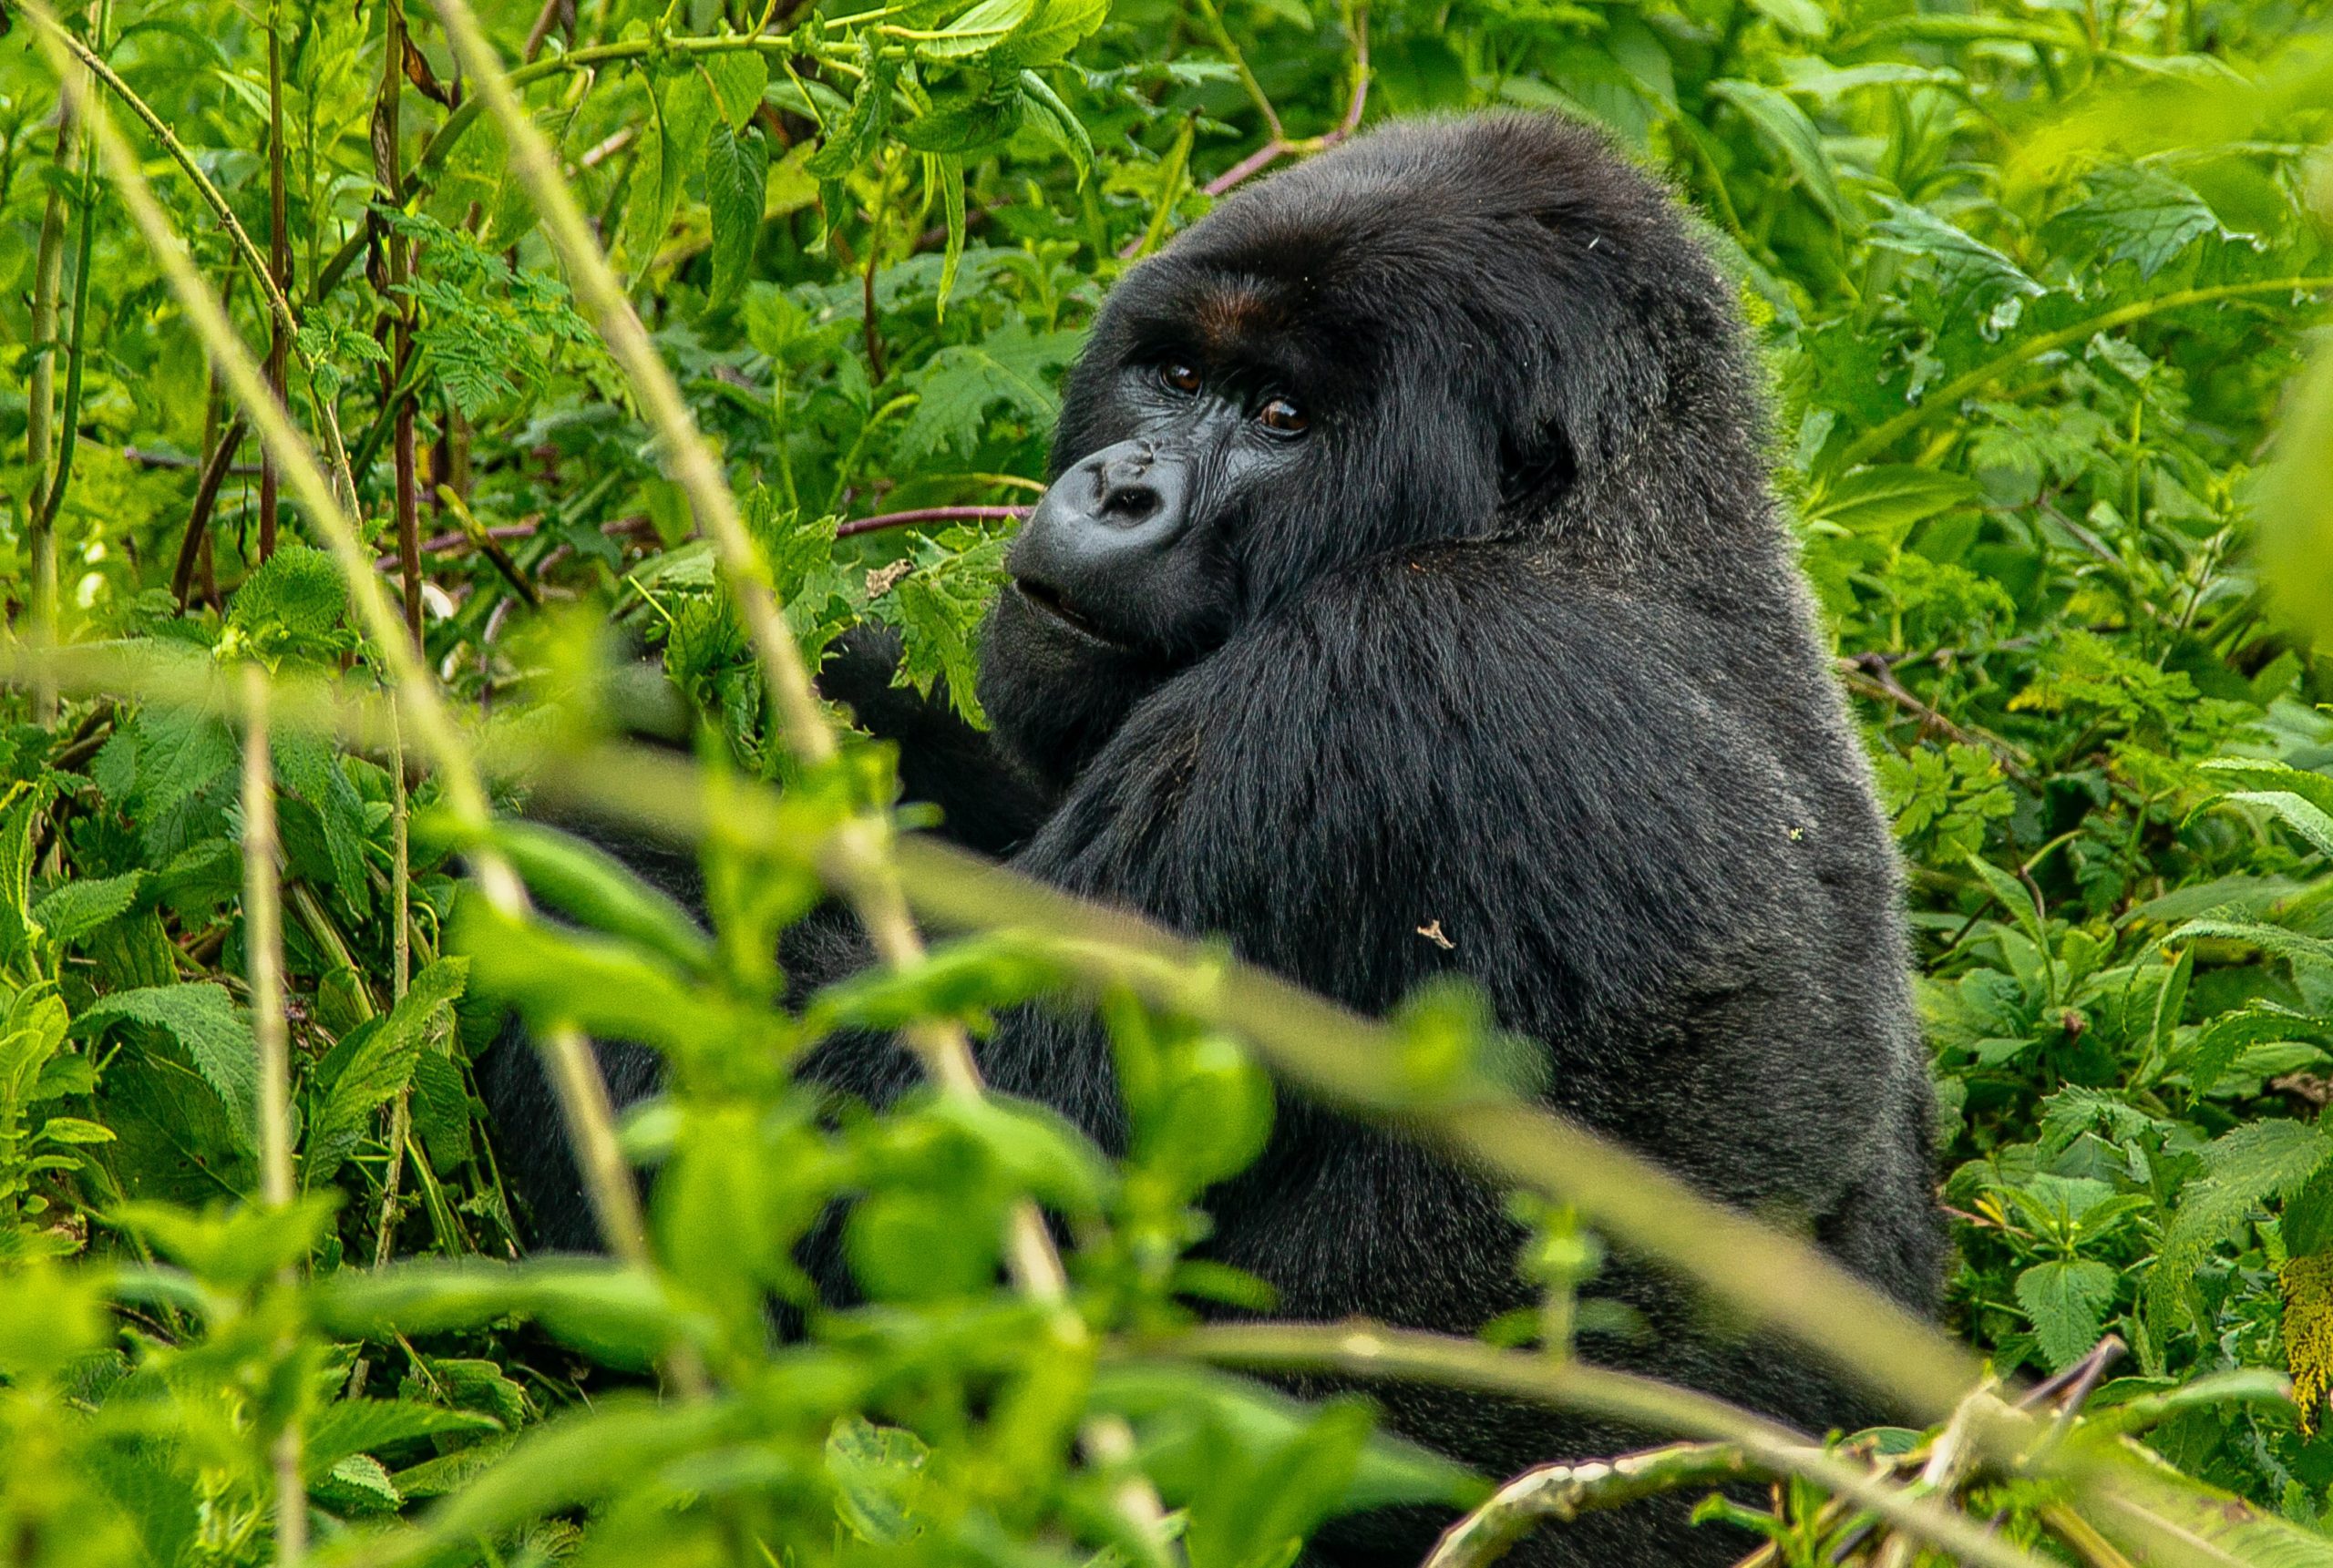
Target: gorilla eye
[
  {"x": 1280, "y": 414},
  {"x": 1183, "y": 377}
]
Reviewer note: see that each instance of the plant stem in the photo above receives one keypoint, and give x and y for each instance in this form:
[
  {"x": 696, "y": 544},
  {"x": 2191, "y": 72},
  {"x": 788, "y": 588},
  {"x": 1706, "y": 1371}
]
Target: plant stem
[
  {"x": 1944, "y": 399},
  {"x": 1562, "y": 1492},
  {"x": 206, "y": 500},
  {"x": 1367, "y": 1350},
  {"x": 40, "y": 403},
  {"x": 860, "y": 861},
  {"x": 279, "y": 266},
  {"x": 278, "y": 308},
  {"x": 395, "y": 256},
  {"x": 263, "y": 944}
]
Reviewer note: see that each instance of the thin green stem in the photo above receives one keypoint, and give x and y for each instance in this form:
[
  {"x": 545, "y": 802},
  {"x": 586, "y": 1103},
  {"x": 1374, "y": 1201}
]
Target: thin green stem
[
  {"x": 1944, "y": 399},
  {"x": 263, "y": 945},
  {"x": 1372, "y": 1352},
  {"x": 860, "y": 861},
  {"x": 1560, "y": 1494},
  {"x": 1231, "y": 50},
  {"x": 278, "y": 307}
]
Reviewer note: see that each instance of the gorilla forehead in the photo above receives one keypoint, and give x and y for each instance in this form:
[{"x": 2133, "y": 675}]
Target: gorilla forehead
[{"x": 1462, "y": 234}]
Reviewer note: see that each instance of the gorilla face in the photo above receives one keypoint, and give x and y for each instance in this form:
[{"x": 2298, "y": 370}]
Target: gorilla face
[{"x": 1432, "y": 334}]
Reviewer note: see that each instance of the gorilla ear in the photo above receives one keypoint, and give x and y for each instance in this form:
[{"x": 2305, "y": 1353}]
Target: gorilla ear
[{"x": 1535, "y": 466}]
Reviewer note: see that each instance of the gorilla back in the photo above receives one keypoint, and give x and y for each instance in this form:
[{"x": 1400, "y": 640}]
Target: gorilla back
[{"x": 1409, "y": 600}]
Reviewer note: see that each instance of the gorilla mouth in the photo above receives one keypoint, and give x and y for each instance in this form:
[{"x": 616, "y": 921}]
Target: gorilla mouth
[{"x": 1050, "y": 602}]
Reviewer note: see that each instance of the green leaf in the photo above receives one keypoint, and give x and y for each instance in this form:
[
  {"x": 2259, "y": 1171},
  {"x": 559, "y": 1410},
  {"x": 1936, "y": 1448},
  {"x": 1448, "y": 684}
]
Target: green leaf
[
  {"x": 737, "y": 174},
  {"x": 2067, "y": 1302},
  {"x": 618, "y": 1314},
  {"x": 378, "y": 1066},
  {"x": 970, "y": 126},
  {"x": 295, "y": 595},
  {"x": 73, "y": 911},
  {"x": 585, "y": 883},
  {"x": 960, "y": 383},
  {"x": 878, "y": 1473},
  {"x": 1054, "y": 117},
  {"x": 307, "y": 766},
  {"x": 1172, "y": 1407},
  {"x": 1966, "y": 264},
  {"x": 1803, "y": 17},
  {"x": 2138, "y": 213},
  {"x": 1784, "y": 126},
  {"x": 1884, "y": 503},
  {"x": 216, "y": 1035},
  {"x": 1052, "y": 29},
  {"x": 672, "y": 144},
  {"x": 737, "y": 79},
  {"x": 348, "y": 1427},
  {"x": 846, "y": 145},
  {"x": 2243, "y": 1169}
]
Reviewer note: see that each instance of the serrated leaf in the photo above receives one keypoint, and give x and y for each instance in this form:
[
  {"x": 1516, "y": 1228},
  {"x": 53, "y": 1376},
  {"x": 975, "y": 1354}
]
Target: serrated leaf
[
  {"x": 960, "y": 383},
  {"x": 2243, "y": 1169},
  {"x": 1966, "y": 264},
  {"x": 983, "y": 27},
  {"x": 305, "y": 764},
  {"x": 298, "y": 589},
  {"x": 2067, "y": 1302},
  {"x": 846, "y": 143},
  {"x": 737, "y": 174},
  {"x": 1050, "y": 114},
  {"x": 71, "y": 912},
  {"x": 378, "y": 1069},
  {"x": 1052, "y": 29},
  {"x": 2136, "y": 212},
  {"x": 216, "y": 1035},
  {"x": 1883, "y": 503}
]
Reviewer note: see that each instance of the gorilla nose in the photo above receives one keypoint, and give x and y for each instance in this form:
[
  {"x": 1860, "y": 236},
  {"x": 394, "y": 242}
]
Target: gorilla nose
[
  {"x": 1126, "y": 491},
  {"x": 1094, "y": 552}
]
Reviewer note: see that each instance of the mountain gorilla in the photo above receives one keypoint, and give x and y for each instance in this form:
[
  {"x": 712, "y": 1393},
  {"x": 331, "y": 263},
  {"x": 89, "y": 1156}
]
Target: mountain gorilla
[{"x": 1409, "y": 601}]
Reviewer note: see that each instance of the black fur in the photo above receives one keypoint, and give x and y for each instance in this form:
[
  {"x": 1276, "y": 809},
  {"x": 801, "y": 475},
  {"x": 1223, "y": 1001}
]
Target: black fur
[{"x": 1520, "y": 657}]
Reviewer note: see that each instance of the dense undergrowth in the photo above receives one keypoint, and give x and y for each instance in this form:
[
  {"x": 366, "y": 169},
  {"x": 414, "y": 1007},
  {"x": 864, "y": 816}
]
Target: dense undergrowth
[{"x": 2034, "y": 283}]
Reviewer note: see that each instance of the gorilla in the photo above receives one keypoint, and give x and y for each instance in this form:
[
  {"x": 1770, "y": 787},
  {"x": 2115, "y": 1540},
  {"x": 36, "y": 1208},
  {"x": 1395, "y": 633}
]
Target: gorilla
[{"x": 1409, "y": 600}]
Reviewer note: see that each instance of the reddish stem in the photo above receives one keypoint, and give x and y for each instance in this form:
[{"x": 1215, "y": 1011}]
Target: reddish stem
[{"x": 929, "y": 514}]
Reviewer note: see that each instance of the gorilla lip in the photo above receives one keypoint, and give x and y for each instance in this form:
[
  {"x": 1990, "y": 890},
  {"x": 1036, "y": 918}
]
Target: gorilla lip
[{"x": 1052, "y": 604}]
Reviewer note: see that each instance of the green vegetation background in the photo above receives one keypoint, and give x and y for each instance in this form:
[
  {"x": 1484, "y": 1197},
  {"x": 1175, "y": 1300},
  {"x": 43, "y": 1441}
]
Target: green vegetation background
[{"x": 2036, "y": 283}]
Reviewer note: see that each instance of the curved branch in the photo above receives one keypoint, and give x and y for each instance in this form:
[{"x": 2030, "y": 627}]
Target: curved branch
[
  {"x": 1368, "y": 1350},
  {"x": 1881, "y": 437}
]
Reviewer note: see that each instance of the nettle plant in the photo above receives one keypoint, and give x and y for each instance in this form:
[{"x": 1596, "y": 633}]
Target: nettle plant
[{"x": 2030, "y": 281}]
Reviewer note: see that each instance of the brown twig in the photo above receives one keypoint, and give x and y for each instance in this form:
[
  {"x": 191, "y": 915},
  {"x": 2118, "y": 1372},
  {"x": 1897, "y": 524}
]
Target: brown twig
[
  {"x": 882, "y": 520},
  {"x": 1870, "y": 676},
  {"x": 396, "y": 263},
  {"x": 279, "y": 272},
  {"x": 482, "y": 541},
  {"x": 559, "y": 14},
  {"x": 215, "y": 470},
  {"x": 1277, "y": 145}
]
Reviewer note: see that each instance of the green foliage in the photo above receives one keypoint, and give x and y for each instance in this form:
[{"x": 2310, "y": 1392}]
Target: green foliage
[{"x": 2031, "y": 284}]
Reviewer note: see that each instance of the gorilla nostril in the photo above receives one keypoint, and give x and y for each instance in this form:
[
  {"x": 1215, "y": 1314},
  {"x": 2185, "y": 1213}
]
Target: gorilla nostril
[{"x": 1128, "y": 504}]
